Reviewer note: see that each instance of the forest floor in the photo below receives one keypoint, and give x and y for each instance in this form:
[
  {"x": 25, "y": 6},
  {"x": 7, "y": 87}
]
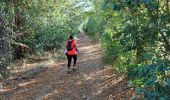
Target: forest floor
[{"x": 94, "y": 82}]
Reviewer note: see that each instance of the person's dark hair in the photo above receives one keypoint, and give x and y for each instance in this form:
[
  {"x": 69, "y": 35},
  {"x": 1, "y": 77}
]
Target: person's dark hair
[{"x": 70, "y": 37}]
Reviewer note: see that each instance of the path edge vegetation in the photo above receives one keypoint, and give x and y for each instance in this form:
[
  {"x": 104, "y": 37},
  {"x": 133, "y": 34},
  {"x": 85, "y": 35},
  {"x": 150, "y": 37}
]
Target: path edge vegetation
[
  {"x": 31, "y": 28},
  {"x": 135, "y": 37}
]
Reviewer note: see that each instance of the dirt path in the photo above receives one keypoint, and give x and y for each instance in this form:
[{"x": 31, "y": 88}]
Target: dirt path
[{"x": 94, "y": 82}]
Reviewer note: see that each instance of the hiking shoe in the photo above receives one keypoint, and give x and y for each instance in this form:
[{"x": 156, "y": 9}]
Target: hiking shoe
[
  {"x": 69, "y": 71},
  {"x": 74, "y": 69}
]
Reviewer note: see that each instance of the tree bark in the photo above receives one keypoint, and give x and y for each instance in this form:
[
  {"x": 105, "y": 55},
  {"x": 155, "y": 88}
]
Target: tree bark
[
  {"x": 4, "y": 49},
  {"x": 167, "y": 6},
  {"x": 16, "y": 15}
]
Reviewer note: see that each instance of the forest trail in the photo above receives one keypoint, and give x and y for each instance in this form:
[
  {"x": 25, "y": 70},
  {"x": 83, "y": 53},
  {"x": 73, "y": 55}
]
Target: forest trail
[{"x": 94, "y": 82}]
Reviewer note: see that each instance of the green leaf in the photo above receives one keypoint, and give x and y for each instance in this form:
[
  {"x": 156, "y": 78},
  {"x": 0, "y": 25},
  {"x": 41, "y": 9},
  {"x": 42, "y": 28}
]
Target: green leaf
[
  {"x": 168, "y": 33},
  {"x": 138, "y": 91},
  {"x": 162, "y": 98},
  {"x": 148, "y": 1},
  {"x": 168, "y": 82}
]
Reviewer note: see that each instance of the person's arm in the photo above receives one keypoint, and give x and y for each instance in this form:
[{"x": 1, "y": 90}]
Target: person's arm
[
  {"x": 66, "y": 44},
  {"x": 76, "y": 46}
]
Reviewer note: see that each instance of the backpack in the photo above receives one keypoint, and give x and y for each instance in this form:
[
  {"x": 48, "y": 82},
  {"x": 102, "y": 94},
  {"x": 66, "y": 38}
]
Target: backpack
[{"x": 69, "y": 45}]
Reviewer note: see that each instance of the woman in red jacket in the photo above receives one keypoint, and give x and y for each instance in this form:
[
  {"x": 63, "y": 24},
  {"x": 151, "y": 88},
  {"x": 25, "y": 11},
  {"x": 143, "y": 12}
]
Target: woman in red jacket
[{"x": 71, "y": 46}]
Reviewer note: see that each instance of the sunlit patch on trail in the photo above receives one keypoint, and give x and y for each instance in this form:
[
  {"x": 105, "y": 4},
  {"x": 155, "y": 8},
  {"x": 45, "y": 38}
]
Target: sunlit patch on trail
[
  {"x": 90, "y": 48},
  {"x": 6, "y": 90},
  {"x": 50, "y": 61},
  {"x": 50, "y": 94},
  {"x": 87, "y": 77},
  {"x": 27, "y": 83}
]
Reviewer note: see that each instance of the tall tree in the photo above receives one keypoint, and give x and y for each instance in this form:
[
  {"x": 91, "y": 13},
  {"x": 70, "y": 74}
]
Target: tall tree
[{"x": 4, "y": 48}]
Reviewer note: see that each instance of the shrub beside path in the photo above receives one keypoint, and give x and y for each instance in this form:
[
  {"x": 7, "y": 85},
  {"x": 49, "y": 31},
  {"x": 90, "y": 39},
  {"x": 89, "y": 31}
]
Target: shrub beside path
[{"x": 94, "y": 82}]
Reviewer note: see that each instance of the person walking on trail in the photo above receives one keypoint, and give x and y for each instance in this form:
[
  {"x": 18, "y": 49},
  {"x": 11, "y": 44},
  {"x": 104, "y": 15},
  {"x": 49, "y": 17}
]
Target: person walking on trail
[{"x": 71, "y": 52}]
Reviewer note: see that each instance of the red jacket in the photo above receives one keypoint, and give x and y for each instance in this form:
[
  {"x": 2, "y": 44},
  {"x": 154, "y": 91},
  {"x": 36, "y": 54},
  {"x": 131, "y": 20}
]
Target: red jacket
[{"x": 73, "y": 45}]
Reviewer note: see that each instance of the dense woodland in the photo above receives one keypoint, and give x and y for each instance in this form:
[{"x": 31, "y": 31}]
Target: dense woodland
[{"x": 134, "y": 34}]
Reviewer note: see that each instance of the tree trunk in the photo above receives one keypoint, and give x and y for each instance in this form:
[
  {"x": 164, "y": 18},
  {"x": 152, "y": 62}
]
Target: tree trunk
[
  {"x": 4, "y": 49},
  {"x": 16, "y": 17}
]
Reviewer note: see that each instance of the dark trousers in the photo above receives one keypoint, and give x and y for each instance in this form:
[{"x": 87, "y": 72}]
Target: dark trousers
[{"x": 69, "y": 58}]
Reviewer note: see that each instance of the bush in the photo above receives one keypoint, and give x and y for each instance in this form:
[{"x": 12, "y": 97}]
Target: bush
[
  {"x": 51, "y": 37},
  {"x": 152, "y": 81}
]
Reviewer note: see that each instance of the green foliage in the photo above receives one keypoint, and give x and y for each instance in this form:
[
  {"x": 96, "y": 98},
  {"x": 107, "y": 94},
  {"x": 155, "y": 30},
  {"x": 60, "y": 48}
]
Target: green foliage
[
  {"x": 51, "y": 36},
  {"x": 91, "y": 28},
  {"x": 111, "y": 49},
  {"x": 143, "y": 53},
  {"x": 45, "y": 23},
  {"x": 95, "y": 24},
  {"x": 40, "y": 25},
  {"x": 152, "y": 80},
  {"x": 135, "y": 37},
  {"x": 134, "y": 34}
]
